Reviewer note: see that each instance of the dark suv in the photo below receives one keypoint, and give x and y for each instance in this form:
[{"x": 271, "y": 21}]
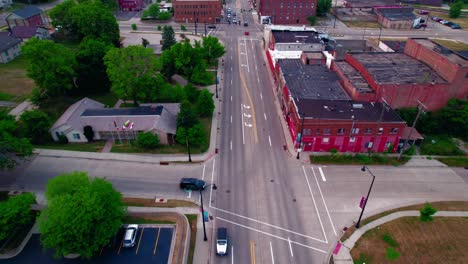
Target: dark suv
[{"x": 192, "y": 184}]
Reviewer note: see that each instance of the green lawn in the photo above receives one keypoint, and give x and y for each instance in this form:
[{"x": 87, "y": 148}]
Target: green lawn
[
  {"x": 15, "y": 85},
  {"x": 455, "y": 161},
  {"x": 439, "y": 145},
  {"x": 358, "y": 159},
  {"x": 452, "y": 44},
  {"x": 95, "y": 146}
]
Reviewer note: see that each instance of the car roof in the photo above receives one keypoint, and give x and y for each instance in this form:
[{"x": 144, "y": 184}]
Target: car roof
[{"x": 129, "y": 233}]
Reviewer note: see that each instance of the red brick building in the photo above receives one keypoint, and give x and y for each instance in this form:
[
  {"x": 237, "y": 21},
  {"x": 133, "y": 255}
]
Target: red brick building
[
  {"x": 426, "y": 72},
  {"x": 131, "y": 5},
  {"x": 201, "y": 11},
  {"x": 312, "y": 94},
  {"x": 288, "y": 11},
  {"x": 28, "y": 16}
]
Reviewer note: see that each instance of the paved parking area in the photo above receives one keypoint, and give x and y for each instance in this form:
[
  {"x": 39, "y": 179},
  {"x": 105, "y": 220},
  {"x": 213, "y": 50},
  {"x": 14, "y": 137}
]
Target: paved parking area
[{"x": 153, "y": 245}]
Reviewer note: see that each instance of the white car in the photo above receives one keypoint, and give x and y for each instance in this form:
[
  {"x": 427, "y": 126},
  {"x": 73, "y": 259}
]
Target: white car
[
  {"x": 443, "y": 22},
  {"x": 130, "y": 236}
]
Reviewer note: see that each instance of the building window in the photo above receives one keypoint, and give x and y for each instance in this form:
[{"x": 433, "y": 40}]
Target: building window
[
  {"x": 355, "y": 131},
  {"x": 387, "y": 145},
  {"x": 76, "y": 136},
  {"x": 317, "y": 131},
  {"x": 369, "y": 145},
  {"x": 368, "y": 131},
  {"x": 326, "y": 131},
  {"x": 307, "y": 131},
  {"x": 341, "y": 131},
  {"x": 394, "y": 130},
  {"x": 325, "y": 140},
  {"x": 352, "y": 139},
  {"x": 380, "y": 130}
]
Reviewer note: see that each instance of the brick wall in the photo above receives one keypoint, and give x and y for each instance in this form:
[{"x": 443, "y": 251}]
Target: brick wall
[
  {"x": 288, "y": 11},
  {"x": 205, "y": 11}
]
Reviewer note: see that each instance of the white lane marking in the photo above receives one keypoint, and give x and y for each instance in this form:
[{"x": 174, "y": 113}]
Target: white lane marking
[
  {"x": 189, "y": 194},
  {"x": 246, "y": 106},
  {"x": 315, "y": 205},
  {"x": 242, "y": 125},
  {"x": 267, "y": 224},
  {"x": 290, "y": 247},
  {"x": 247, "y": 56},
  {"x": 268, "y": 234},
  {"x": 203, "y": 173},
  {"x": 212, "y": 178},
  {"x": 247, "y": 124},
  {"x": 231, "y": 57},
  {"x": 264, "y": 115},
  {"x": 232, "y": 255},
  {"x": 231, "y": 84},
  {"x": 323, "y": 199},
  {"x": 269, "y": 139},
  {"x": 231, "y": 68},
  {"x": 258, "y": 80},
  {"x": 255, "y": 65},
  {"x": 230, "y": 144},
  {"x": 321, "y": 174},
  {"x": 272, "y": 258},
  {"x": 261, "y": 96},
  {"x": 247, "y": 115},
  {"x": 231, "y": 119}
]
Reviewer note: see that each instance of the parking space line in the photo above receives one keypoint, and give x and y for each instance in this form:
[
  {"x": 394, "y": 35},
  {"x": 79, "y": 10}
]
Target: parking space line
[
  {"x": 120, "y": 247},
  {"x": 156, "y": 243},
  {"x": 139, "y": 240}
]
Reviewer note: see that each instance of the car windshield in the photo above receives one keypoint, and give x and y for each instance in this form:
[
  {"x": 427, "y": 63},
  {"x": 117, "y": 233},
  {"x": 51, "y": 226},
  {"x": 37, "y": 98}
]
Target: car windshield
[
  {"x": 127, "y": 241},
  {"x": 221, "y": 242}
]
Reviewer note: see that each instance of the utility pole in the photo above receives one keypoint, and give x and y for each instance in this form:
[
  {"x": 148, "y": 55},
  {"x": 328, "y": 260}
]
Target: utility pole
[
  {"x": 336, "y": 13},
  {"x": 421, "y": 109}
]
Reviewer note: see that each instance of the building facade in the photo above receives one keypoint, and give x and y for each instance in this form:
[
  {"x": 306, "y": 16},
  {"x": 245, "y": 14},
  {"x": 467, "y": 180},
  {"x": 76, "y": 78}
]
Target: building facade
[
  {"x": 28, "y": 16},
  {"x": 202, "y": 11},
  {"x": 288, "y": 11},
  {"x": 395, "y": 17},
  {"x": 131, "y": 5},
  {"x": 9, "y": 47}
]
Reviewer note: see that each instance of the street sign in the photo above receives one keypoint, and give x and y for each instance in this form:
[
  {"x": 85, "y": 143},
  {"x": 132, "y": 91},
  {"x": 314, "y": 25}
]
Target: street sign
[
  {"x": 217, "y": 80},
  {"x": 362, "y": 202},
  {"x": 205, "y": 216}
]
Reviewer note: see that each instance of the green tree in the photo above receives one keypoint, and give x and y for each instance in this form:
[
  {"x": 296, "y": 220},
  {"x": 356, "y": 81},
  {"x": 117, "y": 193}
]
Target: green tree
[
  {"x": 183, "y": 28},
  {"x": 426, "y": 213},
  {"x": 455, "y": 9},
  {"x": 110, "y": 4},
  {"x": 168, "y": 37},
  {"x": 83, "y": 218},
  {"x": 13, "y": 148},
  {"x": 205, "y": 104},
  {"x": 323, "y": 7},
  {"x": 91, "y": 71},
  {"x": 35, "y": 125},
  {"x": 197, "y": 135},
  {"x": 187, "y": 116},
  {"x": 212, "y": 49},
  {"x": 164, "y": 16},
  {"x": 167, "y": 60},
  {"x": 453, "y": 118},
  {"x": 312, "y": 20},
  {"x": 69, "y": 183},
  {"x": 191, "y": 93},
  {"x": 159, "y": 27},
  {"x": 61, "y": 18},
  {"x": 152, "y": 11},
  {"x": 147, "y": 140},
  {"x": 134, "y": 27},
  {"x": 15, "y": 213},
  {"x": 132, "y": 71},
  {"x": 51, "y": 66}
]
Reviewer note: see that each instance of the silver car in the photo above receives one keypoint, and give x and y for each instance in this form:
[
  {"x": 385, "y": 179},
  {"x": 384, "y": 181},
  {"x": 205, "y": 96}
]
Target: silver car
[{"x": 130, "y": 236}]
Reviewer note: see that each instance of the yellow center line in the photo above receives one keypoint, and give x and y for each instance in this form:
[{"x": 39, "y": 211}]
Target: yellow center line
[
  {"x": 139, "y": 240},
  {"x": 252, "y": 252},
  {"x": 156, "y": 243},
  {"x": 254, "y": 119}
]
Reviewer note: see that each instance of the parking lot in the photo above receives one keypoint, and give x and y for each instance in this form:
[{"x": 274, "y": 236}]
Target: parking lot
[{"x": 153, "y": 245}]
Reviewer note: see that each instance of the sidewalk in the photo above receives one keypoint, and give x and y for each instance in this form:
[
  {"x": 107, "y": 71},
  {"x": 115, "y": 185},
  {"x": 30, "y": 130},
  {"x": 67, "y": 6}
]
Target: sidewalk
[{"x": 344, "y": 255}]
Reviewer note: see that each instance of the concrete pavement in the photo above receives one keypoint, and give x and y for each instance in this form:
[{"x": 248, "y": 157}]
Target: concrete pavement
[{"x": 344, "y": 255}]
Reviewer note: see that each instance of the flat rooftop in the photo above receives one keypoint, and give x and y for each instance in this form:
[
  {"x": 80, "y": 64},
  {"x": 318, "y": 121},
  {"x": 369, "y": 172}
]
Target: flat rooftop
[
  {"x": 347, "y": 110},
  {"x": 134, "y": 111},
  {"x": 397, "y": 46},
  {"x": 398, "y": 68},
  {"x": 369, "y": 3},
  {"x": 397, "y": 13},
  {"x": 287, "y": 36},
  {"x": 355, "y": 77},
  {"x": 314, "y": 82},
  {"x": 444, "y": 52}
]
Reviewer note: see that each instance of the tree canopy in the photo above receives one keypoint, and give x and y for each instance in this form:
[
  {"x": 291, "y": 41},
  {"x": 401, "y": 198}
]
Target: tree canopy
[
  {"x": 13, "y": 147},
  {"x": 187, "y": 116},
  {"x": 323, "y": 7},
  {"x": 455, "y": 9},
  {"x": 205, "y": 104},
  {"x": 212, "y": 49},
  {"x": 15, "y": 213},
  {"x": 133, "y": 72},
  {"x": 81, "y": 216},
  {"x": 35, "y": 125},
  {"x": 168, "y": 37},
  {"x": 51, "y": 66}
]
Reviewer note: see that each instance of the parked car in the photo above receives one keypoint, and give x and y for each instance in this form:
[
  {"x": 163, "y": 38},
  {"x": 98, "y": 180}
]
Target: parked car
[
  {"x": 234, "y": 20},
  {"x": 455, "y": 26},
  {"x": 449, "y": 24},
  {"x": 436, "y": 19},
  {"x": 192, "y": 184},
  {"x": 212, "y": 26},
  {"x": 423, "y": 12},
  {"x": 443, "y": 22},
  {"x": 130, "y": 236},
  {"x": 246, "y": 24},
  {"x": 246, "y": 33}
]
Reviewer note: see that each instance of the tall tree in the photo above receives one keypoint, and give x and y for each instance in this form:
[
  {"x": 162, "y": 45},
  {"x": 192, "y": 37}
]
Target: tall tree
[
  {"x": 61, "y": 18},
  {"x": 133, "y": 72},
  {"x": 83, "y": 219},
  {"x": 35, "y": 125},
  {"x": 323, "y": 7},
  {"x": 168, "y": 37},
  {"x": 455, "y": 9},
  {"x": 51, "y": 66},
  {"x": 91, "y": 71},
  {"x": 212, "y": 49},
  {"x": 13, "y": 148},
  {"x": 187, "y": 116},
  {"x": 205, "y": 104}
]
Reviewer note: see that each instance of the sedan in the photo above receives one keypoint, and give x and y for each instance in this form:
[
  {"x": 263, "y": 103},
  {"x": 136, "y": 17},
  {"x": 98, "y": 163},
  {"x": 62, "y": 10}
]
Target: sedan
[
  {"x": 192, "y": 184},
  {"x": 436, "y": 19},
  {"x": 130, "y": 236},
  {"x": 443, "y": 22},
  {"x": 212, "y": 26},
  {"x": 423, "y": 12},
  {"x": 455, "y": 26}
]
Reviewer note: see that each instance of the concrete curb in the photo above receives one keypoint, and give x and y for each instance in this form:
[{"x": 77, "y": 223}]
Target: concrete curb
[
  {"x": 344, "y": 255},
  {"x": 13, "y": 253}
]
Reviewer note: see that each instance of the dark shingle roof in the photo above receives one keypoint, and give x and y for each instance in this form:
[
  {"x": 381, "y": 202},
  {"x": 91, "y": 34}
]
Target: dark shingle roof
[
  {"x": 345, "y": 110},
  {"x": 27, "y": 12},
  {"x": 24, "y": 31},
  {"x": 296, "y": 36},
  {"x": 7, "y": 41},
  {"x": 136, "y": 111},
  {"x": 311, "y": 81}
]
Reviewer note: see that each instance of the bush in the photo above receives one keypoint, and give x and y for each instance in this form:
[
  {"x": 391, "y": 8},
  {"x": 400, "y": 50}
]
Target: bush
[
  {"x": 410, "y": 151},
  {"x": 35, "y": 125},
  {"x": 134, "y": 27},
  {"x": 455, "y": 9},
  {"x": 147, "y": 140},
  {"x": 389, "y": 240},
  {"x": 159, "y": 27},
  {"x": 426, "y": 213},
  {"x": 392, "y": 254},
  {"x": 365, "y": 159},
  {"x": 440, "y": 145},
  {"x": 183, "y": 28},
  {"x": 62, "y": 139},
  {"x": 89, "y": 133},
  {"x": 15, "y": 213},
  {"x": 312, "y": 20},
  {"x": 164, "y": 16}
]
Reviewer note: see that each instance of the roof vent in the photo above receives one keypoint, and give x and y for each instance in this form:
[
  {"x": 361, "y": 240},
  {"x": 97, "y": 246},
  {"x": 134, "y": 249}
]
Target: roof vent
[{"x": 358, "y": 106}]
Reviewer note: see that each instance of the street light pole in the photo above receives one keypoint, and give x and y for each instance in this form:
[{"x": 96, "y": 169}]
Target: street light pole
[
  {"x": 368, "y": 193},
  {"x": 203, "y": 210},
  {"x": 302, "y": 135}
]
